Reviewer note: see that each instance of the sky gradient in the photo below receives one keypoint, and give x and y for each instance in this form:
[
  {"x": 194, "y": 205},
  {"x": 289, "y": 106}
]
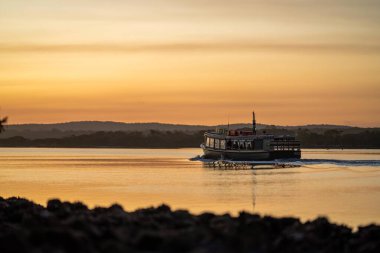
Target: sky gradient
[{"x": 193, "y": 62}]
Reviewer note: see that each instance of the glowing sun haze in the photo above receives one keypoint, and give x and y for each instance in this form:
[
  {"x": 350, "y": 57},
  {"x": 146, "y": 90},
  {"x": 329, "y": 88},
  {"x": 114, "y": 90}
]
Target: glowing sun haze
[{"x": 191, "y": 61}]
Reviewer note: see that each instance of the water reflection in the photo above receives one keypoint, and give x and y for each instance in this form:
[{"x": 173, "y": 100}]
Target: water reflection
[
  {"x": 347, "y": 193},
  {"x": 254, "y": 185}
]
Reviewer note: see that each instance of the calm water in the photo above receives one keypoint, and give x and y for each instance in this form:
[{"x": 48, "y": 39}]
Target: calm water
[{"x": 341, "y": 184}]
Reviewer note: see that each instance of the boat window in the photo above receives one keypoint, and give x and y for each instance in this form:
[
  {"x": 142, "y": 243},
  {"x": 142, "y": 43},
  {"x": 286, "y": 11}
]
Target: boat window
[
  {"x": 208, "y": 142},
  {"x": 259, "y": 144},
  {"x": 222, "y": 144},
  {"x": 229, "y": 144},
  {"x": 211, "y": 142},
  {"x": 217, "y": 143}
]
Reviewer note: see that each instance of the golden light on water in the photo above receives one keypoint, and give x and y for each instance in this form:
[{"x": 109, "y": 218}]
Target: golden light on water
[{"x": 138, "y": 178}]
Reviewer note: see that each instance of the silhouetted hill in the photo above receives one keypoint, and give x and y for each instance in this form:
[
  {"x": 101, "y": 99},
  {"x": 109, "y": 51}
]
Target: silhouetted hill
[
  {"x": 60, "y": 130},
  {"x": 331, "y": 138},
  {"x": 104, "y": 126}
]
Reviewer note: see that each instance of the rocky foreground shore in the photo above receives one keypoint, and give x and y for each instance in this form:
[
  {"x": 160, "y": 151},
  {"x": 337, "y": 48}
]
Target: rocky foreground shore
[{"x": 72, "y": 227}]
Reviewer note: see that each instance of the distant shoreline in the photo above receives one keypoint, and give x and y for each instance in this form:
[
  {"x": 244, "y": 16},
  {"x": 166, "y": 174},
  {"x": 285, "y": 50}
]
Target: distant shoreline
[
  {"x": 153, "y": 148},
  {"x": 321, "y": 139},
  {"x": 157, "y": 135},
  {"x": 73, "y": 227}
]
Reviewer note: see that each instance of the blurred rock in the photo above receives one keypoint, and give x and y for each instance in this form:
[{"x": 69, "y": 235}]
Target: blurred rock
[{"x": 71, "y": 227}]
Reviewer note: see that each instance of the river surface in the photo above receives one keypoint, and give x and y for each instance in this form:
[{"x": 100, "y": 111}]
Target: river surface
[{"x": 343, "y": 185}]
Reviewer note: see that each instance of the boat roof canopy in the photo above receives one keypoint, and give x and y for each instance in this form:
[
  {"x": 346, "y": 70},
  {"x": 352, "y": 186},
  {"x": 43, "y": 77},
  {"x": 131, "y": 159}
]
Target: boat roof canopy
[
  {"x": 226, "y": 136},
  {"x": 237, "y": 137}
]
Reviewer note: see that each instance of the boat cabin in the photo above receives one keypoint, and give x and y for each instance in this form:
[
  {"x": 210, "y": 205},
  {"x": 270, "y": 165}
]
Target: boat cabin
[
  {"x": 245, "y": 144},
  {"x": 250, "y": 142}
]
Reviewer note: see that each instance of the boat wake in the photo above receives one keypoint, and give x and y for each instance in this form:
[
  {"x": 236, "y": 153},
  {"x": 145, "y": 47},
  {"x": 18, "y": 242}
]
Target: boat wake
[
  {"x": 288, "y": 162},
  {"x": 337, "y": 162}
]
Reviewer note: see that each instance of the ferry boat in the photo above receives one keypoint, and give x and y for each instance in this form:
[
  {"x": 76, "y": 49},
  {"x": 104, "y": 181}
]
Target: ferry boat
[{"x": 247, "y": 145}]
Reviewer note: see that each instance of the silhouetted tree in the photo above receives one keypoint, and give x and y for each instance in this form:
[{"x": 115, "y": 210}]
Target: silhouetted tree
[
  {"x": 179, "y": 139},
  {"x": 3, "y": 121}
]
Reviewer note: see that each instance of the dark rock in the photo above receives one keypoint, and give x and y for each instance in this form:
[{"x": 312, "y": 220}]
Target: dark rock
[
  {"x": 205, "y": 218},
  {"x": 78, "y": 206},
  {"x": 72, "y": 227},
  {"x": 54, "y": 205},
  {"x": 148, "y": 240},
  {"x": 163, "y": 208}
]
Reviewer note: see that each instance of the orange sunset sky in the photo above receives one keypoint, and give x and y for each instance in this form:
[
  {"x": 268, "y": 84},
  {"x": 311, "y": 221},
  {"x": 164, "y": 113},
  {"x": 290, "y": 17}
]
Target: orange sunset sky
[{"x": 191, "y": 61}]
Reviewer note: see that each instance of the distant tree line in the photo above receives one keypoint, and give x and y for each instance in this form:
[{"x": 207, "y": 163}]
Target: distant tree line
[
  {"x": 336, "y": 139},
  {"x": 152, "y": 139},
  {"x": 178, "y": 139}
]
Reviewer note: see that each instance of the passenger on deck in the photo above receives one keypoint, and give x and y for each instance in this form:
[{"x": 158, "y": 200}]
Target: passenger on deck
[{"x": 229, "y": 144}]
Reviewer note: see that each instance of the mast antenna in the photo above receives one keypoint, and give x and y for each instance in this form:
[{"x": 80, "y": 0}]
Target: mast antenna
[
  {"x": 253, "y": 122},
  {"x": 228, "y": 124}
]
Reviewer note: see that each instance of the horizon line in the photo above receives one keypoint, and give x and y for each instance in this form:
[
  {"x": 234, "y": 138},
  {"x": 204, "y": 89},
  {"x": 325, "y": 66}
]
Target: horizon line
[{"x": 179, "y": 124}]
